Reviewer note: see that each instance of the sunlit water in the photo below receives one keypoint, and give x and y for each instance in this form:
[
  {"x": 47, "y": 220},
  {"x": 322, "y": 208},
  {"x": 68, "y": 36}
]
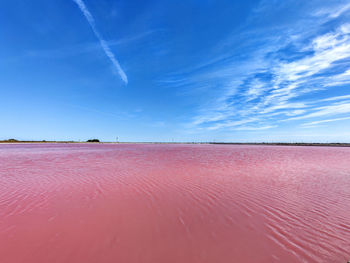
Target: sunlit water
[{"x": 173, "y": 203}]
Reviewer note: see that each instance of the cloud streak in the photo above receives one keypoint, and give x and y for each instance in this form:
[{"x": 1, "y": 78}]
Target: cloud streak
[
  {"x": 313, "y": 123},
  {"x": 336, "y": 109},
  {"x": 274, "y": 77},
  {"x": 103, "y": 43}
]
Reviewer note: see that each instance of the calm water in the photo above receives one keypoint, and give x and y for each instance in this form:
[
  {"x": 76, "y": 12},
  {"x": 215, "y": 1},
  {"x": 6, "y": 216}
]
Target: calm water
[{"x": 173, "y": 203}]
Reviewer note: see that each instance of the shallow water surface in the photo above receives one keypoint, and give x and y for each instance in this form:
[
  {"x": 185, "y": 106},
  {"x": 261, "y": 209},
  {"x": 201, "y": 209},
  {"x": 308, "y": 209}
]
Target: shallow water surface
[{"x": 173, "y": 203}]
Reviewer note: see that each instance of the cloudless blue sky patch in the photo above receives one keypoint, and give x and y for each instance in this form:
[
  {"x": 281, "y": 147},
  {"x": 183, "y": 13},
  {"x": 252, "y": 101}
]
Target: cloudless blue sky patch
[{"x": 260, "y": 70}]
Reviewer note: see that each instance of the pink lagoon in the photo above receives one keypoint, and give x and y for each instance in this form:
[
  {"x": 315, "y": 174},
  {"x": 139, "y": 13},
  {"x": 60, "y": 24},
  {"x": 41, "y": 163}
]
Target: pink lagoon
[{"x": 157, "y": 203}]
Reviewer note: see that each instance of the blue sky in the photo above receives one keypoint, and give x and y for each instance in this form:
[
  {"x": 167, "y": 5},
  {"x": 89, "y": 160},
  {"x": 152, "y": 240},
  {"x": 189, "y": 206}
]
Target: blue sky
[{"x": 164, "y": 70}]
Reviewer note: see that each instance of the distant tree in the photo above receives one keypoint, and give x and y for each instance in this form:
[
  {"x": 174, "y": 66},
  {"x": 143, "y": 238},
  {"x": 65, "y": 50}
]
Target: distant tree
[
  {"x": 93, "y": 140},
  {"x": 12, "y": 140}
]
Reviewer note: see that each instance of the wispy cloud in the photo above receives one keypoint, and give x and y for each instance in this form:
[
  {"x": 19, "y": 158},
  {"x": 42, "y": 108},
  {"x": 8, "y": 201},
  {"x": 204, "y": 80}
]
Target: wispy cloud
[
  {"x": 313, "y": 123},
  {"x": 255, "y": 128},
  {"x": 334, "y": 12},
  {"x": 345, "y": 97},
  {"x": 340, "y": 79},
  {"x": 103, "y": 43},
  {"x": 336, "y": 109},
  {"x": 276, "y": 77}
]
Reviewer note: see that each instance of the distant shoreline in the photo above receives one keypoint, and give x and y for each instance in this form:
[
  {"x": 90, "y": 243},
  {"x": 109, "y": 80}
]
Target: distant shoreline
[
  {"x": 285, "y": 144},
  {"x": 214, "y": 143}
]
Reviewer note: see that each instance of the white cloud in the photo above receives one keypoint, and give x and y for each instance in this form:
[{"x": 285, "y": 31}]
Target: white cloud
[
  {"x": 281, "y": 106},
  {"x": 256, "y": 89},
  {"x": 340, "y": 11},
  {"x": 295, "y": 112},
  {"x": 337, "y": 98},
  {"x": 103, "y": 43},
  {"x": 325, "y": 121},
  {"x": 327, "y": 49},
  {"x": 334, "y": 12},
  {"x": 255, "y": 128},
  {"x": 326, "y": 111},
  {"x": 273, "y": 82},
  {"x": 345, "y": 28},
  {"x": 293, "y": 79},
  {"x": 338, "y": 80},
  {"x": 230, "y": 124}
]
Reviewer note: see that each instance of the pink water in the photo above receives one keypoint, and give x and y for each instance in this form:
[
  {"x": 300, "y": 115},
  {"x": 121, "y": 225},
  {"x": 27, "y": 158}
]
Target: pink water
[{"x": 173, "y": 203}]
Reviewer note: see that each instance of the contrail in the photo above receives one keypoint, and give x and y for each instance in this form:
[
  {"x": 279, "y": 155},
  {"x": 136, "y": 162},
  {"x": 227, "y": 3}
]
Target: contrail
[{"x": 103, "y": 43}]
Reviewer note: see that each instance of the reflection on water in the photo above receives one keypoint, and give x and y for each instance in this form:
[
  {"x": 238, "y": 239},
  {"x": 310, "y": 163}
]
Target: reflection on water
[{"x": 173, "y": 203}]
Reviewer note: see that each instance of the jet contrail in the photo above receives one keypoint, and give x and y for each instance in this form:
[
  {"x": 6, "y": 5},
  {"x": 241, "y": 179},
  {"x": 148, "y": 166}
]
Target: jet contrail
[{"x": 103, "y": 43}]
